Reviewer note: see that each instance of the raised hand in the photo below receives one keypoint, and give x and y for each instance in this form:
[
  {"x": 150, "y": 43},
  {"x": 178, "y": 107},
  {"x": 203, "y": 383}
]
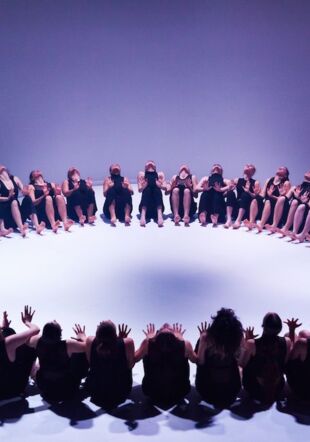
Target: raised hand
[
  {"x": 305, "y": 197},
  {"x": 5, "y": 320},
  {"x": 125, "y": 184},
  {"x": 57, "y": 189},
  {"x": 249, "y": 333},
  {"x": 79, "y": 333},
  {"x": 11, "y": 193},
  {"x": 123, "y": 331},
  {"x": 297, "y": 191},
  {"x": 292, "y": 324},
  {"x": 89, "y": 182},
  {"x": 150, "y": 331},
  {"x": 27, "y": 314},
  {"x": 178, "y": 330},
  {"x": 270, "y": 190},
  {"x": 217, "y": 187},
  {"x": 203, "y": 328}
]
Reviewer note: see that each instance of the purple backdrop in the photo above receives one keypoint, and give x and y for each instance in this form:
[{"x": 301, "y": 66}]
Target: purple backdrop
[{"x": 86, "y": 83}]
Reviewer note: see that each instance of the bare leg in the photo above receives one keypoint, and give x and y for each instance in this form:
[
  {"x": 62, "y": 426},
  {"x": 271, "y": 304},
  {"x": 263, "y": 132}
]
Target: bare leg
[
  {"x": 229, "y": 211},
  {"x": 175, "y": 199},
  {"x": 90, "y": 213},
  {"x": 62, "y": 209},
  {"x": 80, "y": 215},
  {"x": 127, "y": 215},
  {"x": 38, "y": 226},
  {"x": 143, "y": 217},
  {"x": 18, "y": 219},
  {"x": 3, "y": 230},
  {"x": 278, "y": 211},
  {"x": 112, "y": 214},
  {"x": 265, "y": 216},
  {"x": 160, "y": 219},
  {"x": 203, "y": 218},
  {"x": 303, "y": 234},
  {"x": 50, "y": 213},
  {"x": 187, "y": 205},
  {"x": 253, "y": 214},
  {"x": 237, "y": 223},
  {"x": 290, "y": 218},
  {"x": 214, "y": 219}
]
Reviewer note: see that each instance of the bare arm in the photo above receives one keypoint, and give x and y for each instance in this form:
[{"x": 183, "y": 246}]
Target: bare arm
[
  {"x": 142, "y": 350},
  {"x": 75, "y": 347},
  {"x": 33, "y": 198},
  {"x": 127, "y": 185},
  {"x": 189, "y": 352},
  {"x": 130, "y": 351},
  {"x": 107, "y": 183},
  {"x": 88, "y": 345},
  {"x": 142, "y": 183},
  {"x": 65, "y": 188},
  {"x": 203, "y": 184}
]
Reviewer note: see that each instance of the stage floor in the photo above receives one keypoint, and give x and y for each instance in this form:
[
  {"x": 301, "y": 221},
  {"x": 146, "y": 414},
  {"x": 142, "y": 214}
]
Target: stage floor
[{"x": 139, "y": 275}]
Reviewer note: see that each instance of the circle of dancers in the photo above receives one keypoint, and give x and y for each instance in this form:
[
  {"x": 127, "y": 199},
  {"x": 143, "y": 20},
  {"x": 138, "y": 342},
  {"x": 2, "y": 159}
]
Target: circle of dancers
[
  {"x": 229, "y": 359},
  {"x": 277, "y": 206}
]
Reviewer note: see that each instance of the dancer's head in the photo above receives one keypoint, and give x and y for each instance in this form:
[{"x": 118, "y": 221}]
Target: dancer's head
[
  {"x": 249, "y": 170},
  {"x": 106, "y": 337},
  {"x": 36, "y": 177},
  {"x": 52, "y": 332},
  {"x": 272, "y": 324},
  {"x": 283, "y": 172},
  {"x": 74, "y": 174},
  {"x": 225, "y": 332},
  {"x": 165, "y": 339},
  {"x": 217, "y": 168},
  {"x": 307, "y": 176},
  {"x": 4, "y": 173},
  {"x": 115, "y": 169},
  {"x": 184, "y": 169},
  {"x": 150, "y": 166}
]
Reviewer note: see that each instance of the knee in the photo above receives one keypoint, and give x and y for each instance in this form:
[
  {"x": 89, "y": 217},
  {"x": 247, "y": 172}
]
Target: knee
[
  {"x": 187, "y": 192},
  {"x": 59, "y": 198},
  {"x": 294, "y": 203},
  {"x": 48, "y": 199},
  {"x": 176, "y": 191},
  {"x": 14, "y": 203},
  {"x": 281, "y": 199}
]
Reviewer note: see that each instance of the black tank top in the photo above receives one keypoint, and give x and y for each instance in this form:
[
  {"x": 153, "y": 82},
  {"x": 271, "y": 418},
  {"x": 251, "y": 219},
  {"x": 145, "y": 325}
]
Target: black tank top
[
  {"x": 242, "y": 183},
  {"x": 305, "y": 187},
  {"x": 276, "y": 191},
  {"x": 38, "y": 190},
  {"x": 217, "y": 369},
  {"x": 151, "y": 178},
  {"x": 82, "y": 185},
  {"x": 110, "y": 370},
  {"x": 4, "y": 191},
  {"x": 216, "y": 178},
  {"x": 182, "y": 182},
  {"x": 118, "y": 182},
  {"x": 53, "y": 356}
]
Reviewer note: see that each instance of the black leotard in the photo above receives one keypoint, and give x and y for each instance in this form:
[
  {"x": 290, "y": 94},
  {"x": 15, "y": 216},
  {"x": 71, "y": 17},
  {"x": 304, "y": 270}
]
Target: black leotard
[
  {"x": 83, "y": 196},
  {"x": 298, "y": 375},
  {"x": 151, "y": 196},
  {"x": 118, "y": 194}
]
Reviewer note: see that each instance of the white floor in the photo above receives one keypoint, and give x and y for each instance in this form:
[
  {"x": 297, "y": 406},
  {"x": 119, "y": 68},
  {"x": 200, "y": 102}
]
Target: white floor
[{"x": 139, "y": 275}]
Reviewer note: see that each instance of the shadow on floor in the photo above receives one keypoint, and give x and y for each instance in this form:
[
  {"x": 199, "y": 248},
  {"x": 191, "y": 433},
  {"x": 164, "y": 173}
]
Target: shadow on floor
[{"x": 300, "y": 410}]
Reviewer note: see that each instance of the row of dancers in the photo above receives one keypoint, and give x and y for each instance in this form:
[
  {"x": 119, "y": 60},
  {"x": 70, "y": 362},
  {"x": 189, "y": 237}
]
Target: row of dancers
[
  {"x": 277, "y": 206},
  {"x": 227, "y": 358}
]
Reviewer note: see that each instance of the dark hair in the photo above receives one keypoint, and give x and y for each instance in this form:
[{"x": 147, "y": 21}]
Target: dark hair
[
  {"x": 71, "y": 171},
  {"x": 106, "y": 338},
  {"x": 272, "y": 324},
  {"x": 51, "y": 332},
  {"x": 7, "y": 331},
  {"x": 226, "y": 331}
]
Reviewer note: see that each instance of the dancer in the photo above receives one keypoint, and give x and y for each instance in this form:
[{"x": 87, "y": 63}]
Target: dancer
[
  {"x": 182, "y": 191},
  {"x": 165, "y": 356},
  {"x": 151, "y": 183},
  {"x": 212, "y": 202},
  {"x": 218, "y": 379},
  {"x": 111, "y": 359},
  {"x": 263, "y": 205},
  {"x": 16, "y": 359},
  {"x": 56, "y": 378},
  {"x": 264, "y": 360},
  {"x": 246, "y": 188},
  {"x": 118, "y": 196},
  {"x": 12, "y": 214},
  {"x": 49, "y": 203},
  {"x": 81, "y": 201}
]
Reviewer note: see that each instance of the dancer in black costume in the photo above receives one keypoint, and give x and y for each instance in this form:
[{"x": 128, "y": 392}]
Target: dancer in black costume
[
  {"x": 118, "y": 196},
  {"x": 151, "y": 183},
  {"x": 238, "y": 200},
  {"x": 212, "y": 202},
  {"x": 49, "y": 203},
  {"x": 56, "y": 378},
  {"x": 16, "y": 358},
  {"x": 263, "y": 205},
  {"x": 264, "y": 360},
  {"x": 218, "y": 379},
  {"x": 12, "y": 212},
  {"x": 81, "y": 201},
  {"x": 182, "y": 191},
  {"x": 165, "y": 356},
  {"x": 111, "y": 358}
]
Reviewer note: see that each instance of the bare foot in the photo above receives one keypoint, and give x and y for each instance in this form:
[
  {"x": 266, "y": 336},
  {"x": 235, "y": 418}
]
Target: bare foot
[
  {"x": 127, "y": 220},
  {"x": 160, "y": 222},
  {"x": 237, "y": 225},
  {"x": 6, "y": 232},
  {"x": 259, "y": 227},
  {"x": 113, "y": 221},
  {"x": 24, "y": 230},
  {"x": 82, "y": 220},
  {"x": 142, "y": 222},
  {"x": 186, "y": 220},
  {"x": 227, "y": 224},
  {"x": 40, "y": 228},
  {"x": 300, "y": 237},
  {"x": 92, "y": 219},
  {"x": 69, "y": 223},
  {"x": 177, "y": 220},
  {"x": 271, "y": 229},
  {"x": 214, "y": 220},
  {"x": 203, "y": 219}
]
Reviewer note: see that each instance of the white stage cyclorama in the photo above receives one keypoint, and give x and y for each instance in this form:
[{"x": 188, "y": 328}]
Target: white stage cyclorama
[{"x": 140, "y": 275}]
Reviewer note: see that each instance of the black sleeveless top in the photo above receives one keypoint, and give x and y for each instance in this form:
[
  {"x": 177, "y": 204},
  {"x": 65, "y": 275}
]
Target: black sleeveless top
[
  {"x": 151, "y": 178},
  {"x": 181, "y": 182},
  {"x": 219, "y": 370},
  {"x": 276, "y": 191},
  {"x": 216, "y": 178},
  {"x": 38, "y": 190},
  {"x": 53, "y": 356},
  {"x": 82, "y": 185},
  {"x": 305, "y": 187},
  {"x": 242, "y": 183},
  {"x": 118, "y": 182},
  {"x": 109, "y": 372},
  {"x": 4, "y": 191}
]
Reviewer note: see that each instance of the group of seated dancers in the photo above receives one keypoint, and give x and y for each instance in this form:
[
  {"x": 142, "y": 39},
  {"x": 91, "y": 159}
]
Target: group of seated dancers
[
  {"x": 277, "y": 206},
  {"x": 228, "y": 358}
]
